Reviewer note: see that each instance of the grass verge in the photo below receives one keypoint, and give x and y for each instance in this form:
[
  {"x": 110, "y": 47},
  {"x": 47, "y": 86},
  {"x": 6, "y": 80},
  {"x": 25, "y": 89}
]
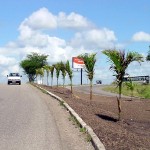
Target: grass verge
[{"x": 141, "y": 91}]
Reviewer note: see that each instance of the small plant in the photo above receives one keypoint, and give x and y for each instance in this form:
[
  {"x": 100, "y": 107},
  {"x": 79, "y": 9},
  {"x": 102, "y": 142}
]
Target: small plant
[
  {"x": 45, "y": 92},
  {"x": 130, "y": 86},
  {"x": 141, "y": 91},
  {"x": 83, "y": 130},
  {"x": 88, "y": 138},
  {"x": 61, "y": 103},
  {"x": 75, "y": 121}
]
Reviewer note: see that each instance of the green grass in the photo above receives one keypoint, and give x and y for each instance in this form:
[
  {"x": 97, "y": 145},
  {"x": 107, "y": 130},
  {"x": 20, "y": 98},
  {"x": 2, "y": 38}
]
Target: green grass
[
  {"x": 44, "y": 91},
  {"x": 61, "y": 103},
  {"x": 88, "y": 138},
  {"x": 81, "y": 129},
  {"x": 74, "y": 121},
  {"x": 141, "y": 91}
]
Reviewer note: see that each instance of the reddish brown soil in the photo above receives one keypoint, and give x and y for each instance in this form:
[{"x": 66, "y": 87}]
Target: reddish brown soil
[{"x": 131, "y": 133}]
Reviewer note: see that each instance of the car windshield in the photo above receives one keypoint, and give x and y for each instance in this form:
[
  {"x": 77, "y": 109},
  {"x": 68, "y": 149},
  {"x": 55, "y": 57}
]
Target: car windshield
[{"x": 14, "y": 74}]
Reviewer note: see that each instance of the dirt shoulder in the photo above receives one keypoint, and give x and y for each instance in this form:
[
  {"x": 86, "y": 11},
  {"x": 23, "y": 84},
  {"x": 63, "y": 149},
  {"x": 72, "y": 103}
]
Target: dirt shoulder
[{"x": 131, "y": 133}]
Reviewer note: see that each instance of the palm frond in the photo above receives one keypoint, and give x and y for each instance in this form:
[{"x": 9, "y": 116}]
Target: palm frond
[
  {"x": 89, "y": 61},
  {"x": 69, "y": 70}
]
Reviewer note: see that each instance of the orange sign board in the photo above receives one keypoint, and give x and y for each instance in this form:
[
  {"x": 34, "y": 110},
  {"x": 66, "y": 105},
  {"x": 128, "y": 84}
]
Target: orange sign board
[{"x": 77, "y": 63}]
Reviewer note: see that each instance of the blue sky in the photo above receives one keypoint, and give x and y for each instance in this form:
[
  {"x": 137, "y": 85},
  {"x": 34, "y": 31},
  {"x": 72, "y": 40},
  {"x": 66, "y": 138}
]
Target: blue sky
[{"x": 64, "y": 28}]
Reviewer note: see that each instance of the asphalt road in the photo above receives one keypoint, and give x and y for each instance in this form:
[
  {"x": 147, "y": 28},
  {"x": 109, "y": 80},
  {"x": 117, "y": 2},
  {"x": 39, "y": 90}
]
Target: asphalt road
[
  {"x": 97, "y": 89},
  {"x": 32, "y": 120}
]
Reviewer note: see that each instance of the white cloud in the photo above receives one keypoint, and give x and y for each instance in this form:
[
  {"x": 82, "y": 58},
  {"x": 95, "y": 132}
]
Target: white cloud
[
  {"x": 41, "y": 19},
  {"x": 8, "y": 64},
  {"x": 14, "y": 68},
  {"x": 25, "y": 32},
  {"x": 73, "y": 20},
  {"x": 141, "y": 37},
  {"x": 136, "y": 69},
  {"x": 95, "y": 39},
  {"x": 87, "y": 39},
  {"x": 11, "y": 68},
  {"x": 5, "y": 73},
  {"x": 6, "y": 61},
  {"x": 104, "y": 74}
]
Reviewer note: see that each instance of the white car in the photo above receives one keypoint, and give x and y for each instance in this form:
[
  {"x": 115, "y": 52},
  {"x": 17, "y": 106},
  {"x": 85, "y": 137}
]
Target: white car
[{"x": 14, "y": 78}]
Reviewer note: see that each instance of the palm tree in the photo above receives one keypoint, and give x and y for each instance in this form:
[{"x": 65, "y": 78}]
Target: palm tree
[
  {"x": 47, "y": 68},
  {"x": 119, "y": 63},
  {"x": 52, "y": 74},
  {"x": 63, "y": 70},
  {"x": 70, "y": 73},
  {"x": 36, "y": 73},
  {"x": 40, "y": 71},
  {"x": 57, "y": 68},
  {"x": 89, "y": 61}
]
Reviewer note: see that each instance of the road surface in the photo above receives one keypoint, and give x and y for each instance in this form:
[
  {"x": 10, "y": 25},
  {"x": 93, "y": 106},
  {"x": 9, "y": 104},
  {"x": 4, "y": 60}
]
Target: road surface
[
  {"x": 32, "y": 120},
  {"x": 97, "y": 89}
]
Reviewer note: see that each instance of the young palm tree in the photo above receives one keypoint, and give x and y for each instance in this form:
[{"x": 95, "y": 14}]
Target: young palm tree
[
  {"x": 119, "y": 63},
  {"x": 89, "y": 61},
  {"x": 47, "y": 68},
  {"x": 63, "y": 70},
  {"x": 37, "y": 73},
  {"x": 40, "y": 71},
  {"x": 52, "y": 74},
  {"x": 57, "y": 68},
  {"x": 70, "y": 73}
]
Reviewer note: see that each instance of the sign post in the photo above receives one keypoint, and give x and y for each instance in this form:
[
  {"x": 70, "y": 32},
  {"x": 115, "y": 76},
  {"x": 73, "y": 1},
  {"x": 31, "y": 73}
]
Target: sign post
[{"x": 81, "y": 75}]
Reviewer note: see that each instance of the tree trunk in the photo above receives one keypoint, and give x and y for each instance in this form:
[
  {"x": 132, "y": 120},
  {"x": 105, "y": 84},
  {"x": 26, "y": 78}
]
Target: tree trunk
[
  {"x": 31, "y": 78},
  {"x": 63, "y": 82},
  {"x": 57, "y": 82},
  {"x": 41, "y": 80},
  {"x": 91, "y": 90},
  {"x": 119, "y": 101},
  {"x": 131, "y": 94},
  {"x": 51, "y": 82},
  {"x": 71, "y": 86},
  {"x": 47, "y": 80}
]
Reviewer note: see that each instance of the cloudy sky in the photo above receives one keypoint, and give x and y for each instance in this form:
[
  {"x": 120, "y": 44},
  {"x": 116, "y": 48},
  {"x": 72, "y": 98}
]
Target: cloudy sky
[{"x": 66, "y": 28}]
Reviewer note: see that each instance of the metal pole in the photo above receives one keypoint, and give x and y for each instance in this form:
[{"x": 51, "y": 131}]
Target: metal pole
[{"x": 81, "y": 76}]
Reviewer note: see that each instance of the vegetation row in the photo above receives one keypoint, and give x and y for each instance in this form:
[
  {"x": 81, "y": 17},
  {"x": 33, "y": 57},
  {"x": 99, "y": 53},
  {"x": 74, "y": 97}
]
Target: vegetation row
[{"x": 36, "y": 64}]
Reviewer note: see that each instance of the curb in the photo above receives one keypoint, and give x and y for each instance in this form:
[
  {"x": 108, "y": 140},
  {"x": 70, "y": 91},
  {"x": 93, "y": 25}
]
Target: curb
[{"x": 98, "y": 145}]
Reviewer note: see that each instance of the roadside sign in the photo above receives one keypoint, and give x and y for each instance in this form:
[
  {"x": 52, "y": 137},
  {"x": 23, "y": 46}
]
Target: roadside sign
[
  {"x": 137, "y": 78},
  {"x": 77, "y": 63}
]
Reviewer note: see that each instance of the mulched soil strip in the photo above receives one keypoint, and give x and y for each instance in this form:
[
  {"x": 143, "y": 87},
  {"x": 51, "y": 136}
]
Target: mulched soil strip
[
  {"x": 131, "y": 133},
  {"x": 98, "y": 145}
]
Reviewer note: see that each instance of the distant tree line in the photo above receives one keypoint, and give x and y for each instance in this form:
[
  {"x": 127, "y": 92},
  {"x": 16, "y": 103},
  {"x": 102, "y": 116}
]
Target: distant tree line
[{"x": 36, "y": 64}]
